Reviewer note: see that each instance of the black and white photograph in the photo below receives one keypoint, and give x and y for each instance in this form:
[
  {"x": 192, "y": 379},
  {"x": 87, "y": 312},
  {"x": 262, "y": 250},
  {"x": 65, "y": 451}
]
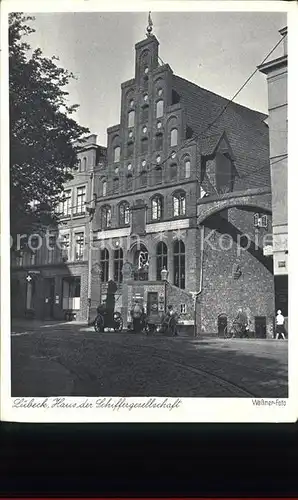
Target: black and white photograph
[{"x": 148, "y": 198}]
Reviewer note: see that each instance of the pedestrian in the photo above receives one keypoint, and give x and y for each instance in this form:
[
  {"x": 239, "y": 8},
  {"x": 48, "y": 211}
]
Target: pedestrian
[
  {"x": 171, "y": 321},
  {"x": 137, "y": 314},
  {"x": 242, "y": 321},
  {"x": 280, "y": 325}
]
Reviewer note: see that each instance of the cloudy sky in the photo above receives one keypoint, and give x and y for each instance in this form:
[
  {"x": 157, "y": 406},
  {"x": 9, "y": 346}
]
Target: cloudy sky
[{"x": 217, "y": 51}]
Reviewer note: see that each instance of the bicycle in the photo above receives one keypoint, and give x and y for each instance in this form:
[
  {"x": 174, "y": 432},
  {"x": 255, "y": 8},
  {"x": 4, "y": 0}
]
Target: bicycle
[{"x": 237, "y": 330}]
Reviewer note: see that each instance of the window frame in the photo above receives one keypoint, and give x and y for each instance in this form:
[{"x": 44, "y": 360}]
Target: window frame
[
  {"x": 158, "y": 201},
  {"x": 82, "y": 201},
  {"x": 123, "y": 210},
  {"x": 179, "y": 264},
  {"x": 175, "y": 142},
  {"x": 180, "y": 196},
  {"x": 104, "y": 264},
  {"x": 159, "y": 113},
  {"x": 116, "y": 156},
  {"x": 118, "y": 264},
  {"x": 79, "y": 244},
  {"x": 161, "y": 258},
  {"x": 106, "y": 220}
]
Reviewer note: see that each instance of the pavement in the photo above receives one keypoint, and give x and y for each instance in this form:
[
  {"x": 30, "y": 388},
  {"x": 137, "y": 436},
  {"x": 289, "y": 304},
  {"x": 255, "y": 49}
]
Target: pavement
[{"x": 71, "y": 359}]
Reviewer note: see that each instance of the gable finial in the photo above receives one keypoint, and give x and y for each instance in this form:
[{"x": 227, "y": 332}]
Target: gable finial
[{"x": 150, "y": 24}]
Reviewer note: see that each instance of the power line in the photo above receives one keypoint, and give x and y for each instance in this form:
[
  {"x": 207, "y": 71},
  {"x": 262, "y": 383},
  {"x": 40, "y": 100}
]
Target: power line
[{"x": 195, "y": 137}]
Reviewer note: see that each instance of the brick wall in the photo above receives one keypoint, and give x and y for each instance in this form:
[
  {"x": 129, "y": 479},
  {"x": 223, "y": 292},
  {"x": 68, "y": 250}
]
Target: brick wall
[{"x": 221, "y": 292}]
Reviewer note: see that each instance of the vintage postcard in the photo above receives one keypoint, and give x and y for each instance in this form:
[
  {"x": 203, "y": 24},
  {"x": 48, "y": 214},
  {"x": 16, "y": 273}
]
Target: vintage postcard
[{"x": 145, "y": 153}]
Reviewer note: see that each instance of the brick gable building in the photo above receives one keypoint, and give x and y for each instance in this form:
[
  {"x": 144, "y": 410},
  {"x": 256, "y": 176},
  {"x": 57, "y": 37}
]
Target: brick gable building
[
  {"x": 177, "y": 193},
  {"x": 169, "y": 175}
]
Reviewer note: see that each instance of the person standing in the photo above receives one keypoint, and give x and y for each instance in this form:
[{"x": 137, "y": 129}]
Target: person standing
[
  {"x": 280, "y": 325},
  {"x": 137, "y": 314},
  {"x": 242, "y": 321}
]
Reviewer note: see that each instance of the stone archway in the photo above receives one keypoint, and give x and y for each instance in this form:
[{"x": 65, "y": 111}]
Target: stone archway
[
  {"x": 258, "y": 201},
  {"x": 236, "y": 273}
]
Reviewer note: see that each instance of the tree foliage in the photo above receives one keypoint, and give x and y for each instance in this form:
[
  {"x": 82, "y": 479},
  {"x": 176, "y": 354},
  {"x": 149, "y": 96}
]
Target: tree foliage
[{"x": 44, "y": 137}]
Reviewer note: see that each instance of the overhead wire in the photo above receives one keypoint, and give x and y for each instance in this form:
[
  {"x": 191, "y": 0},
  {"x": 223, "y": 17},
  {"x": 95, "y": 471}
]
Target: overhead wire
[{"x": 193, "y": 139}]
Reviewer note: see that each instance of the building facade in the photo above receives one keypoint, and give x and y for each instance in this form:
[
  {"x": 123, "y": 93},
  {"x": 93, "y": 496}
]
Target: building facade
[
  {"x": 51, "y": 280},
  {"x": 277, "y": 80},
  {"x": 182, "y": 210},
  {"x": 176, "y": 173}
]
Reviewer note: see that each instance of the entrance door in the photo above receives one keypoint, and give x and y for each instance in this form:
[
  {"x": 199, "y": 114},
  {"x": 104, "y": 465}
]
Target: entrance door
[
  {"x": 260, "y": 327},
  {"x": 152, "y": 303},
  {"x": 222, "y": 322},
  {"x": 49, "y": 297}
]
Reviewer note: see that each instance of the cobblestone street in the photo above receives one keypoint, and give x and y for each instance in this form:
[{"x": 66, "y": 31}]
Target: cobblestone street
[{"x": 73, "y": 360}]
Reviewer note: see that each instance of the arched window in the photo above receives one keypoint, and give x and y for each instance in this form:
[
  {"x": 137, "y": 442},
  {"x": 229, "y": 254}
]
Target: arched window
[
  {"x": 80, "y": 166},
  {"x": 187, "y": 168},
  {"x": 158, "y": 142},
  {"x": 104, "y": 264},
  {"x": 124, "y": 214},
  {"x": 174, "y": 137},
  {"x": 144, "y": 145},
  {"x": 179, "y": 207},
  {"x": 129, "y": 182},
  {"x": 131, "y": 119},
  {"x": 179, "y": 264},
  {"x": 106, "y": 217},
  {"x": 143, "y": 178},
  {"x": 116, "y": 154},
  {"x": 159, "y": 108},
  {"x": 118, "y": 263},
  {"x": 104, "y": 187},
  {"x": 157, "y": 207},
  {"x": 161, "y": 259},
  {"x": 84, "y": 167},
  {"x": 158, "y": 175},
  {"x": 116, "y": 185},
  {"x": 173, "y": 172}
]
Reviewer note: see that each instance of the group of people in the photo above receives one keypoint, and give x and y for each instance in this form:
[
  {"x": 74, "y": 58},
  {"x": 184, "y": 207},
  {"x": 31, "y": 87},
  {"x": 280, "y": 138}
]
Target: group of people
[
  {"x": 243, "y": 321},
  {"x": 140, "y": 320}
]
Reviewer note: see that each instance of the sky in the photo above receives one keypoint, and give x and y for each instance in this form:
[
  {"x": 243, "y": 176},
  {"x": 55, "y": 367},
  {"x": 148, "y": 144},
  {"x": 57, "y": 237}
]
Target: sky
[{"x": 215, "y": 50}]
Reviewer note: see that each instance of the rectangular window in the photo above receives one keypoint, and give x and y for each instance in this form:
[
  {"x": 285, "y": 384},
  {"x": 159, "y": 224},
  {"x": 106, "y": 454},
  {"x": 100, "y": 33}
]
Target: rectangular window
[
  {"x": 71, "y": 293},
  {"x": 51, "y": 249},
  {"x": 65, "y": 205},
  {"x": 65, "y": 247},
  {"x": 80, "y": 201},
  {"x": 79, "y": 246},
  {"x": 183, "y": 308}
]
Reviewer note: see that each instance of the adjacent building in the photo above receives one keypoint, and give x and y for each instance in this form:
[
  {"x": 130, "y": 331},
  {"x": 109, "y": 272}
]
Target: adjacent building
[
  {"x": 277, "y": 78},
  {"x": 182, "y": 210},
  {"x": 51, "y": 281}
]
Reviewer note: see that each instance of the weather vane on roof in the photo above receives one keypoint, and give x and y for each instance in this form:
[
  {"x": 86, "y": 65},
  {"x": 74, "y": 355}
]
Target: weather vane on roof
[{"x": 150, "y": 24}]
